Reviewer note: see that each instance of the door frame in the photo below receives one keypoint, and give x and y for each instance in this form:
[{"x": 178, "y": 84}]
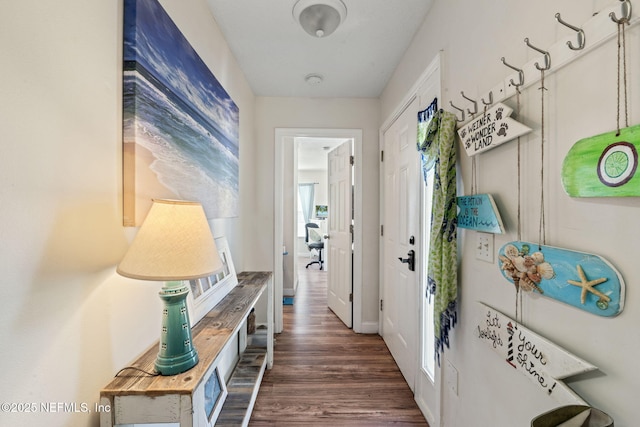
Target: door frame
[
  {"x": 281, "y": 134},
  {"x": 431, "y": 414}
]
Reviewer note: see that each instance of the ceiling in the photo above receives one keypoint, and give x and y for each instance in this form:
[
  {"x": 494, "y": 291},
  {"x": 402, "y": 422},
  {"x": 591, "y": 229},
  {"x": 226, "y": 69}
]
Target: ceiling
[
  {"x": 356, "y": 61},
  {"x": 312, "y": 152}
]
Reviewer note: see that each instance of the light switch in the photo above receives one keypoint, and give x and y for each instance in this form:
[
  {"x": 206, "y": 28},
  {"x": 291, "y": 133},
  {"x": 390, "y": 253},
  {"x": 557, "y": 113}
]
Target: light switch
[{"x": 484, "y": 247}]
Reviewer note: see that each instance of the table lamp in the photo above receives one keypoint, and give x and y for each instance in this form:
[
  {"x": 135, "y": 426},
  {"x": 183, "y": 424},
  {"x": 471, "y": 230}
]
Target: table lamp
[{"x": 173, "y": 244}]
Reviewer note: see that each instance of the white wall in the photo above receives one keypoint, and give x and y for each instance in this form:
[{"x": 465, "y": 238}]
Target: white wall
[
  {"x": 69, "y": 321},
  {"x": 580, "y": 103},
  {"x": 272, "y": 113}
]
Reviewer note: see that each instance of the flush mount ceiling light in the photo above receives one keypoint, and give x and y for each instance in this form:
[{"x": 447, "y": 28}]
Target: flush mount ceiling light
[
  {"x": 313, "y": 79},
  {"x": 319, "y": 18}
]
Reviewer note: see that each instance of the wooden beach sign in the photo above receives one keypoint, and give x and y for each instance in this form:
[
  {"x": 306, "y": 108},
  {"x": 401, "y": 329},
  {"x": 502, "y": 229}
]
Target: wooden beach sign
[
  {"x": 494, "y": 127},
  {"x": 582, "y": 280},
  {"x": 479, "y": 212},
  {"x": 604, "y": 165},
  {"x": 543, "y": 362}
]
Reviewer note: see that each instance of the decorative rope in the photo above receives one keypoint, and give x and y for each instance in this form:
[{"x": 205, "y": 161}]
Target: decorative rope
[
  {"x": 518, "y": 293},
  {"x": 519, "y": 172},
  {"x": 474, "y": 169},
  {"x": 473, "y": 175},
  {"x": 542, "y": 238},
  {"x": 518, "y": 305},
  {"x": 622, "y": 47}
]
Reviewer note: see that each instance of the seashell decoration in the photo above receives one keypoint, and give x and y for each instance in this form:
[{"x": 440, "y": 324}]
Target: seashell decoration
[
  {"x": 526, "y": 271},
  {"x": 511, "y": 251},
  {"x": 546, "y": 271}
]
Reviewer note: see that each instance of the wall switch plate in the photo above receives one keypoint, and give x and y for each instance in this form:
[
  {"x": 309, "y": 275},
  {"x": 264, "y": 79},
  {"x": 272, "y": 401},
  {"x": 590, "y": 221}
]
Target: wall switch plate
[
  {"x": 452, "y": 378},
  {"x": 484, "y": 247}
]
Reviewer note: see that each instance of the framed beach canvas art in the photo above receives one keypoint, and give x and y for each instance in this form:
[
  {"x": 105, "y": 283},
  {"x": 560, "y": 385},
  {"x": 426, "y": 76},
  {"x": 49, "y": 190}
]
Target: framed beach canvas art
[{"x": 180, "y": 127}]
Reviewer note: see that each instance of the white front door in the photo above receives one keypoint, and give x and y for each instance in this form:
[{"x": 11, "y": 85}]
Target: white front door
[
  {"x": 401, "y": 234},
  {"x": 339, "y": 241}
]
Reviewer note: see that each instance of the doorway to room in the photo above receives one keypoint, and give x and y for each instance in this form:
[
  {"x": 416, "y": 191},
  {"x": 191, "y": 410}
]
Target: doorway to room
[
  {"x": 325, "y": 216},
  {"x": 312, "y": 147},
  {"x": 312, "y": 198}
]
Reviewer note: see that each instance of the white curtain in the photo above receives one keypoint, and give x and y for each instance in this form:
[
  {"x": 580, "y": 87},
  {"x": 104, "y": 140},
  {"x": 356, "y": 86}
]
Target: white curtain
[{"x": 306, "y": 192}]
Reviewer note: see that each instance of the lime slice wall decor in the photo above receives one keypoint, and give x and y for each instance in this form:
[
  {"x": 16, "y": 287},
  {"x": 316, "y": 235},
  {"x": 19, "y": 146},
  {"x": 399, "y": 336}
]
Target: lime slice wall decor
[
  {"x": 605, "y": 165},
  {"x": 586, "y": 281}
]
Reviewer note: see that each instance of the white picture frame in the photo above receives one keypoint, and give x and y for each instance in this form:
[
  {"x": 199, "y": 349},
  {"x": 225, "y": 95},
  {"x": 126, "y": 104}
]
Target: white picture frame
[
  {"x": 206, "y": 292},
  {"x": 215, "y": 393}
]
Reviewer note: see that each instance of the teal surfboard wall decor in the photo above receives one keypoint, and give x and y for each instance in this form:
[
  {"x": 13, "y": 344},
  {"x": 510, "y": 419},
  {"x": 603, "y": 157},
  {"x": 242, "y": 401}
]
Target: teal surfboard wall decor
[
  {"x": 479, "y": 212},
  {"x": 586, "y": 281},
  {"x": 605, "y": 165}
]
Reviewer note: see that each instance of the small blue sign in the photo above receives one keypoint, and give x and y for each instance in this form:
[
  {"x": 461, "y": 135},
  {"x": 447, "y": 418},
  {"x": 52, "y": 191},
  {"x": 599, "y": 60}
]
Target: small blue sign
[{"x": 479, "y": 212}]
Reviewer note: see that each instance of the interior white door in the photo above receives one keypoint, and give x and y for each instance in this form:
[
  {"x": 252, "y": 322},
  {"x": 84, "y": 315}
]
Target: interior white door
[
  {"x": 401, "y": 234},
  {"x": 339, "y": 241}
]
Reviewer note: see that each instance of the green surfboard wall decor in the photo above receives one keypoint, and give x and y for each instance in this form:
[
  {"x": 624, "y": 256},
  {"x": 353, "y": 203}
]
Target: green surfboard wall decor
[
  {"x": 582, "y": 280},
  {"x": 605, "y": 165}
]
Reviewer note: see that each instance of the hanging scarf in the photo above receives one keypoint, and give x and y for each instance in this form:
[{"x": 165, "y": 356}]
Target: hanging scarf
[{"x": 436, "y": 143}]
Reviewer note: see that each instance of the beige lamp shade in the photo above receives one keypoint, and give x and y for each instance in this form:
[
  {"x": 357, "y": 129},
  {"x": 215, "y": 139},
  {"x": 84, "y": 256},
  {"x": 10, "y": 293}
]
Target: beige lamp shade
[{"x": 174, "y": 243}]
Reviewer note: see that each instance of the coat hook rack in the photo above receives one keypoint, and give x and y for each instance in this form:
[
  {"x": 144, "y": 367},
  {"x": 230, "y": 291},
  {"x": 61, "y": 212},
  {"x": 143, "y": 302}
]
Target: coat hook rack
[
  {"x": 475, "y": 104},
  {"x": 490, "y": 99},
  {"x": 626, "y": 13},
  {"x": 547, "y": 57},
  {"x": 459, "y": 109},
  {"x": 520, "y": 74},
  {"x": 579, "y": 31}
]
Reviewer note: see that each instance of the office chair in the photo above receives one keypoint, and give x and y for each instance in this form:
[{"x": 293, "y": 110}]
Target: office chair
[{"x": 314, "y": 243}]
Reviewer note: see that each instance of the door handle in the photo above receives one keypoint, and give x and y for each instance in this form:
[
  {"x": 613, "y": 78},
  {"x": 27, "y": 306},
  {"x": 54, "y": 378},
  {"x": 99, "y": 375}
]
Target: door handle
[{"x": 411, "y": 260}]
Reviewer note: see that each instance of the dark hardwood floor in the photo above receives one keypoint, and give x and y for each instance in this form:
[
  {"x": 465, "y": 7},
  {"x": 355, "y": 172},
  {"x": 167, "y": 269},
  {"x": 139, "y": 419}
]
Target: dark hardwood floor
[{"x": 325, "y": 374}]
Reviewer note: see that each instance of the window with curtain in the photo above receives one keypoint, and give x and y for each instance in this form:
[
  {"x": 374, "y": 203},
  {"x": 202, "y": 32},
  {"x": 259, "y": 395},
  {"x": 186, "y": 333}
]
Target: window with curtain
[
  {"x": 436, "y": 143},
  {"x": 306, "y": 198}
]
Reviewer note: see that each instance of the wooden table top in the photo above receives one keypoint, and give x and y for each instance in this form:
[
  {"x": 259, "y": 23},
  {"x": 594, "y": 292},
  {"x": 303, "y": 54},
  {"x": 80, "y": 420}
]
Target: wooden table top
[{"x": 210, "y": 335}]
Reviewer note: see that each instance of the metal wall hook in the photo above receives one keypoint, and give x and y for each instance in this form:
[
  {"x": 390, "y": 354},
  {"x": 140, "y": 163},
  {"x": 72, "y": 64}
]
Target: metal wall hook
[
  {"x": 579, "y": 31},
  {"x": 490, "y": 99},
  {"x": 547, "y": 57},
  {"x": 520, "y": 74},
  {"x": 626, "y": 12},
  {"x": 459, "y": 109},
  {"x": 475, "y": 104}
]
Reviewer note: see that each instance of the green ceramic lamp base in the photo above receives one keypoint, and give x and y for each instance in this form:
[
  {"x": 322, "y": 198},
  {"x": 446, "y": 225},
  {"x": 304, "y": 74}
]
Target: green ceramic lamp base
[{"x": 177, "y": 353}]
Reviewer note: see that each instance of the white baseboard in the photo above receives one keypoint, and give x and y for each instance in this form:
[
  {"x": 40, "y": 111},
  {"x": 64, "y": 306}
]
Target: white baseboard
[{"x": 368, "y": 328}]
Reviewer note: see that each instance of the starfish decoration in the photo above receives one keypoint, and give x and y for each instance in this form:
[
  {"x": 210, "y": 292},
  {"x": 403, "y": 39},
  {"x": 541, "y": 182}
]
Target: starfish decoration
[{"x": 587, "y": 286}]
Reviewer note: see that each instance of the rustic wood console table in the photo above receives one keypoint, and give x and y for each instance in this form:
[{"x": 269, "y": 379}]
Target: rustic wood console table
[{"x": 137, "y": 398}]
